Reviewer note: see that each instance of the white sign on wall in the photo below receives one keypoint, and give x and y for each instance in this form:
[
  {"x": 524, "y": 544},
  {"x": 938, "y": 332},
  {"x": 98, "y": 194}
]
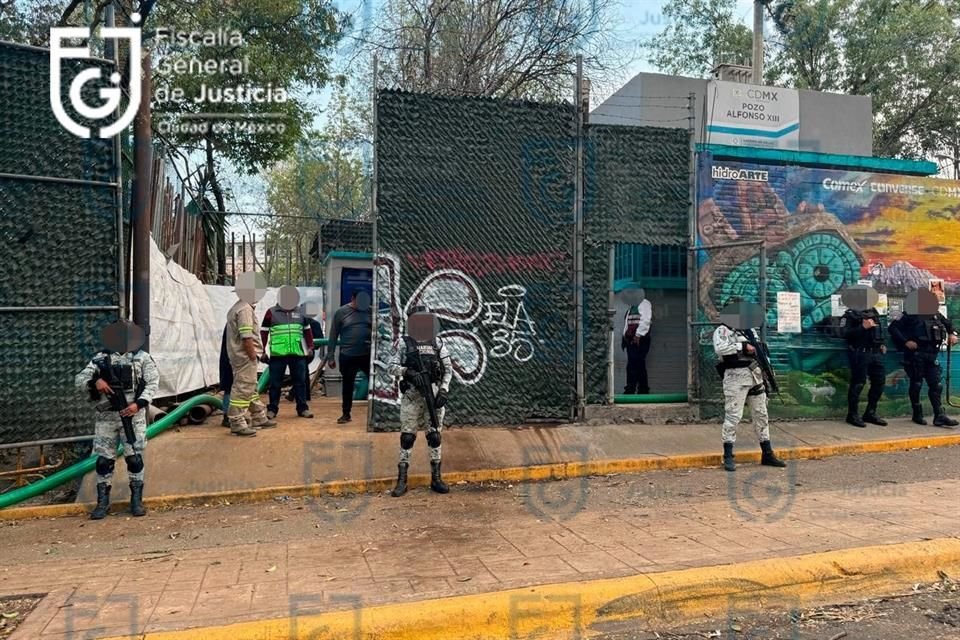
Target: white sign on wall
[
  {"x": 788, "y": 312},
  {"x": 748, "y": 115}
]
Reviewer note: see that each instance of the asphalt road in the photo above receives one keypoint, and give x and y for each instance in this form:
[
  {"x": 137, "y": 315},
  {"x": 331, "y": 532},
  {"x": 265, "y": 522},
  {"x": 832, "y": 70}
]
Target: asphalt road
[{"x": 931, "y": 613}]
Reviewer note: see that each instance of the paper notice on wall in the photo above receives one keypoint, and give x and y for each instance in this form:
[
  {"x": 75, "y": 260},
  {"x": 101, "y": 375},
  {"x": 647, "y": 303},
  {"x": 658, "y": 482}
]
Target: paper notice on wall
[
  {"x": 837, "y": 308},
  {"x": 943, "y": 311},
  {"x": 788, "y": 312},
  {"x": 895, "y": 308},
  {"x": 936, "y": 286},
  {"x": 883, "y": 306},
  {"x": 868, "y": 283}
]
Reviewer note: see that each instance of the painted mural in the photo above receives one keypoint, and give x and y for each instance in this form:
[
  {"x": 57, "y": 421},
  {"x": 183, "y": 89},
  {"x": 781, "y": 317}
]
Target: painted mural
[{"x": 823, "y": 230}]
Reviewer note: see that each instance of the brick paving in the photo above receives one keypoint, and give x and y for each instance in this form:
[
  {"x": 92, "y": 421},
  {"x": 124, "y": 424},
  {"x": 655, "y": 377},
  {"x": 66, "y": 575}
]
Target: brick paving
[{"x": 468, "y": 546}]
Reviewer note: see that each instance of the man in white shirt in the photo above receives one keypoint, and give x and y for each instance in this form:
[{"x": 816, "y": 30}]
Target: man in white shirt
[{"x": 636, "y": 342}]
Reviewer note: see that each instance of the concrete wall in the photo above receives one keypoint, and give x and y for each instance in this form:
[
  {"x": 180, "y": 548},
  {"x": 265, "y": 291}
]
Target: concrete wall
[{"x": 829, "y": 122}]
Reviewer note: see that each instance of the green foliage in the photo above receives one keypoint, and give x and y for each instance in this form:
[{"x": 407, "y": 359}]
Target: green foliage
[
  {"x": 905, "y": 54},
  {"x": 700, "y": 34},
  {"x": 286, "y": 45},
  {"x": 324, "y": 179}
]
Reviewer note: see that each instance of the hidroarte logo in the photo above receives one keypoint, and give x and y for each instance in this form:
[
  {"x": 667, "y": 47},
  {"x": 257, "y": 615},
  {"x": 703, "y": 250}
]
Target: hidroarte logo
[{"x": 110, "y": 95}]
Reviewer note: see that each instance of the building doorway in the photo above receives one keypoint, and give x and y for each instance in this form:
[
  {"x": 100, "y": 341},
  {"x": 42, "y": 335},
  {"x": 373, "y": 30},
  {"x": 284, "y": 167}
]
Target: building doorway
[{"x": 661, "y": 271}]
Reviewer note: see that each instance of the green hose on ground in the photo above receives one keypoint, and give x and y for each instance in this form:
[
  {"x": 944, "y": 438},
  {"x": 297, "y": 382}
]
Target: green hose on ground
[
  {"x": 84, "y": 467},
  {"x": 650, "y": 398}
]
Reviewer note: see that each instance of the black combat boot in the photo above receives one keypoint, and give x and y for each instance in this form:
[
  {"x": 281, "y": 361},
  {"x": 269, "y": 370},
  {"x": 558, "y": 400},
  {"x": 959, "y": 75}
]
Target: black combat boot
[
  {"x": 136, "y": 498},
  {"x": 941, "y": 419},
  {"x": 853, "y": 408},
  {"x": 728, "y": 461},
  {"x": 918, "y": 414},
  {"x": 436, "y": 482},
  {"x": 870, "y": 415},
  {"x": 855, "y": 420},
  {"x": 103, "y": 502},
  {"x": 769, "y": 458},
  {"x": 401, "y": 487}
]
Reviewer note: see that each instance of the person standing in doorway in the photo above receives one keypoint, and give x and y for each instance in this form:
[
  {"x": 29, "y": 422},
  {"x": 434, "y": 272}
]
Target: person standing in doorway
[
  {"x": 352, "y": 325},
  {"x": 636, "y": 342}
]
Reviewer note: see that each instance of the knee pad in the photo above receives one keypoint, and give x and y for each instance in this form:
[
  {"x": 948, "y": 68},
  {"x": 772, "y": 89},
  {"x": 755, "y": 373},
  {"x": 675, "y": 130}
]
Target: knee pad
[
  {"x": 407, "y": 440},
  {"x": 433, "y": 439},
  {"x": 134, "y": 463},
  {"x": 105, "y": 466}
]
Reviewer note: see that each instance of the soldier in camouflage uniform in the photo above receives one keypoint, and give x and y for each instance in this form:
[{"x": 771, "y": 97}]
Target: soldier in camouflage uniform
[
  {"x": 121, "y": 367},
  {"x": 421, "y": 353},
  {"x": 742, "y": 380}
]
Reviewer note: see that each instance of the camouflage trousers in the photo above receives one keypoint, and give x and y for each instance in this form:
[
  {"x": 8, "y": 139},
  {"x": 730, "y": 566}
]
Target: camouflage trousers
[
  {"x": 736, "y": 387},
  {"x": 413, "y": 415},
  {"x": 108, "y": 435}
]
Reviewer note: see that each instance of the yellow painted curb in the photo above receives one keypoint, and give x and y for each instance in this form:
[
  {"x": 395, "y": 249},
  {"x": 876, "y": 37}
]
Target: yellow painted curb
[
  {"x": 533, "y": 473},
  {"x": 659, "y": 599}
]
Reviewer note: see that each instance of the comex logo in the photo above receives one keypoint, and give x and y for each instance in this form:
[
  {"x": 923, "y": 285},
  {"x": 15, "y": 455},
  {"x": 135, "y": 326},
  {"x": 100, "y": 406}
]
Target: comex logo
[{"x": 110, "y": 95}]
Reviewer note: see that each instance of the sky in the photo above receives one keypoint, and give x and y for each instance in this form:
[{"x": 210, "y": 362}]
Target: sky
[{"x": 638, "y": 20}]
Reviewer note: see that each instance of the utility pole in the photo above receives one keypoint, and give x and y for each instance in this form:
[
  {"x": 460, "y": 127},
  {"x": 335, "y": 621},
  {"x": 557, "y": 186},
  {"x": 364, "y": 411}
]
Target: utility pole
[
  {"x": 758, "y": 41},
  {"x": 142, "y": 201}
]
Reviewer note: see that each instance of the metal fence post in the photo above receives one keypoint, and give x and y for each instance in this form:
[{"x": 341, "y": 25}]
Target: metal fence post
[
  {"x": 375, "y": 301},
  {"x": 693, "y": 274},
  {"x": 578, "y": 241}
]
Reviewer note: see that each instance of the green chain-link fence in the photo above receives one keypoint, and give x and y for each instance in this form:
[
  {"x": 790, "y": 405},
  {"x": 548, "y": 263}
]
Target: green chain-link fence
[
  {"x": 476, "y": 219},
  {"x": 58, "y": 244}
]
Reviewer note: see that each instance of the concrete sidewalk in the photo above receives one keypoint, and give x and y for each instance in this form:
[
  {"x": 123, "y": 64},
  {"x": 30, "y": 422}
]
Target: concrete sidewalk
[
  {"x": 403, "y": 551},
  {"x": 205, "y": 459}
]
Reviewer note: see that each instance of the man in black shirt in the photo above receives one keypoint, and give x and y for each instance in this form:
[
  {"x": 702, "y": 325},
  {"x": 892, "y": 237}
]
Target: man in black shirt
[
  {"x": 865, "y": 352},
  {"x": 919, "y": 334},
  {"x": 352, "y": 325}
]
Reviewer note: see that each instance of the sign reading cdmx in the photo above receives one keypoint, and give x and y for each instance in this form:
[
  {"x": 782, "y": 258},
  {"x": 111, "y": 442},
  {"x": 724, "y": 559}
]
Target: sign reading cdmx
[
  {"x": 111, "y": 95},
  {"x": 753, "y": 116}
]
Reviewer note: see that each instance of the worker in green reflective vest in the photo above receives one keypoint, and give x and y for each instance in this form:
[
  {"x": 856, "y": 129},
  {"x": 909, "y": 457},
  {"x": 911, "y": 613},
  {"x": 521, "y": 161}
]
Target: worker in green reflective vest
[{"x": 286, "y": 333}]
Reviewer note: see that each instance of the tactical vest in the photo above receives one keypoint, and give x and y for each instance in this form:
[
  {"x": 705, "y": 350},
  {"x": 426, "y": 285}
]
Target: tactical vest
[
  {"x": 286, "y": 332},
  {"x": 632, "y": 321},
  {"x": 870, "y": 337},
  {"x": 429, "y": 358}
]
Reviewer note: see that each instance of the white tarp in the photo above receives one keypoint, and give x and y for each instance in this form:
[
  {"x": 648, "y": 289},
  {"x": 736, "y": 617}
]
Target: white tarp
[{"x": 186, "y": 324}]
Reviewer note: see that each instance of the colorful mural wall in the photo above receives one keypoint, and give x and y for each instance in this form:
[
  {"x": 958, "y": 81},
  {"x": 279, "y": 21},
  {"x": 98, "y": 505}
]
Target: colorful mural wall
[{"x": 824, "y": 230}]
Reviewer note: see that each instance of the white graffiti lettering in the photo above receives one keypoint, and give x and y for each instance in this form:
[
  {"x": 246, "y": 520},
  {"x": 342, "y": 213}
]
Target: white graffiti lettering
[{"x": 514, "y": 333}]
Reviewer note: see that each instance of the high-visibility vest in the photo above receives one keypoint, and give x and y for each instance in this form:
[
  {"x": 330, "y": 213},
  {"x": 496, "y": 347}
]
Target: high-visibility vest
[{"x": 286, "y": 332}]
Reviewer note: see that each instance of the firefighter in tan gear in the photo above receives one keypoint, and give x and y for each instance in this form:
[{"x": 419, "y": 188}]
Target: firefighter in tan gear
[{"x": 246, "y": 413}]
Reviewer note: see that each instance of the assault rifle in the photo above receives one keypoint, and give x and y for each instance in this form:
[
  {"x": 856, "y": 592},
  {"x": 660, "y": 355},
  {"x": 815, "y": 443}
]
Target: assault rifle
[
  {"x": 421, "y": 380},
  {"x": 118, "y": 399},
  {"x": 762, "y": 354}
]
